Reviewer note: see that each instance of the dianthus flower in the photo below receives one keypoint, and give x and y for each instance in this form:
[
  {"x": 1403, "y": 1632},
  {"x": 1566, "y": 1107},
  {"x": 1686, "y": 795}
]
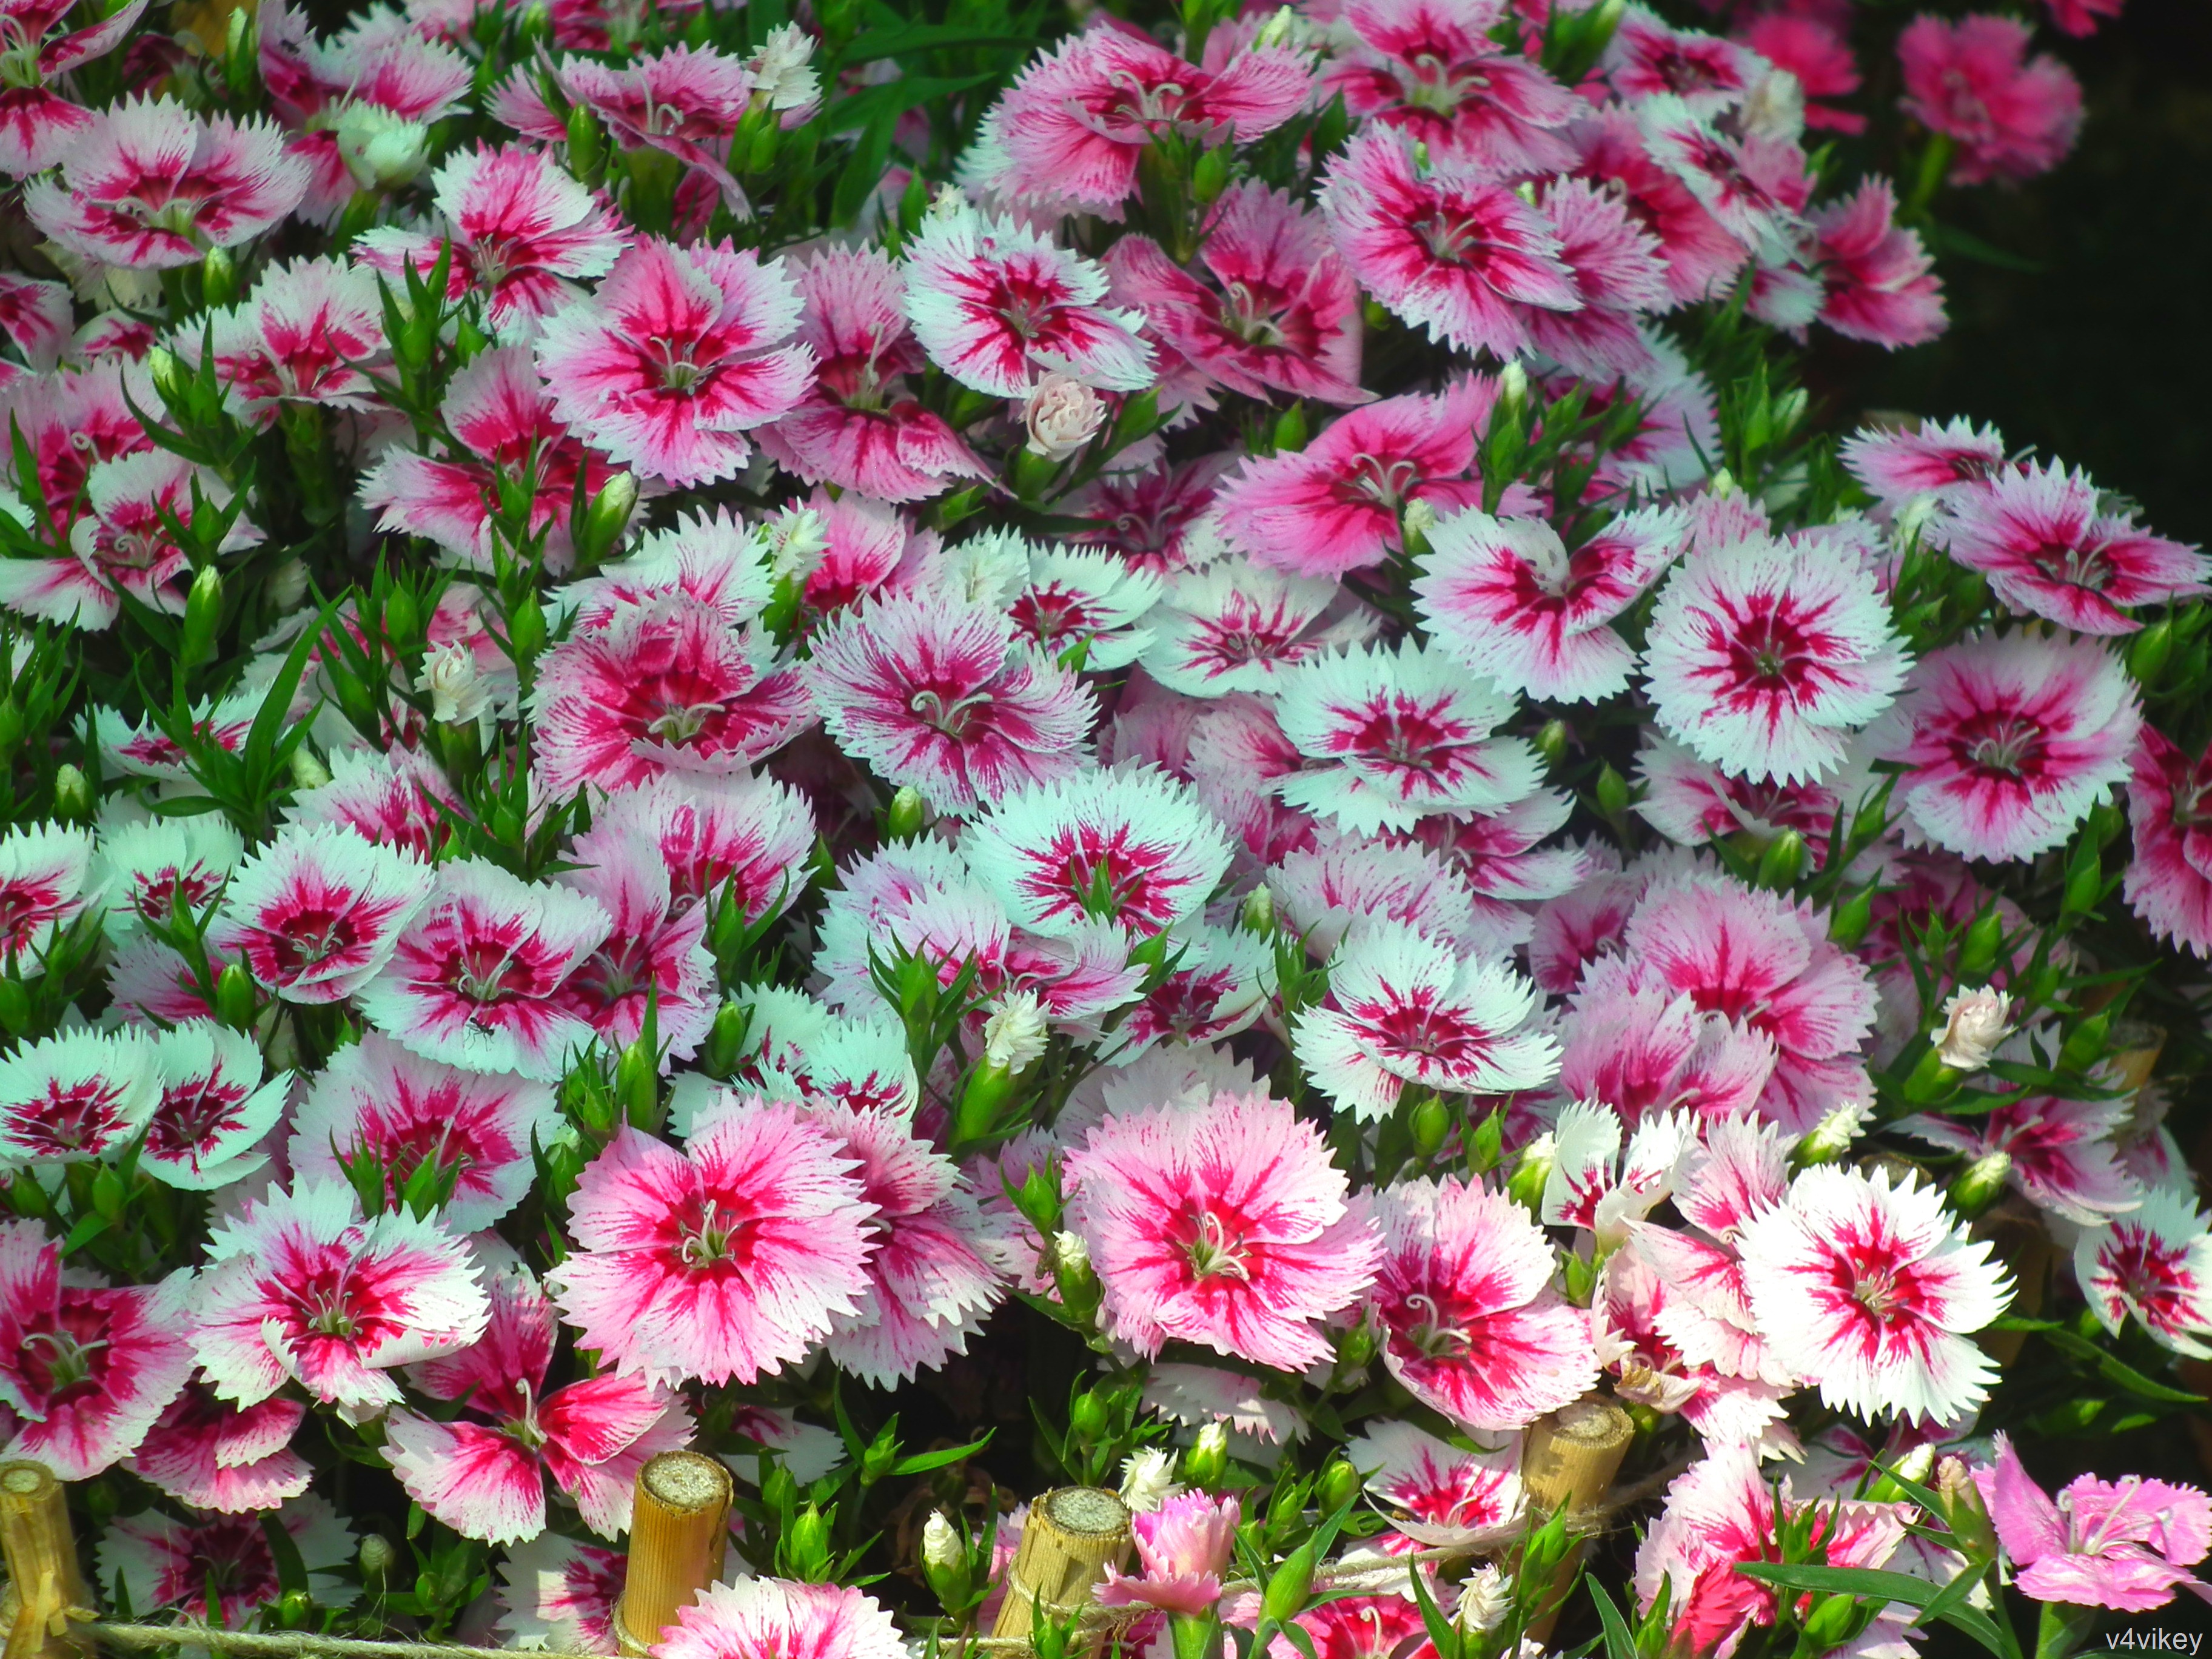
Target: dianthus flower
[{"x": 1971, "y": 79}]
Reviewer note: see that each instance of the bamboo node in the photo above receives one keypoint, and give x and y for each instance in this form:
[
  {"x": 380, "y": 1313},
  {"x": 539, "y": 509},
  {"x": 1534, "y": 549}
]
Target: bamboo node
[
  {"x": 45, "y": 1582},
  {"x": 1571, "y": 1456},
  {"x": 1071, "y": 1535}
]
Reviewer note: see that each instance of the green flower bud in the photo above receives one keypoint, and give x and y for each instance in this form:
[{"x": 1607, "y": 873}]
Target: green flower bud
[
  {"x": 234, "y": 998},
  {"x": 907, "y": 816},
  {"x": 1289, "y": 1586},
  {"x": 1982, "y": 1183},
  {"x": 1339, "y": 1486},
  {"x": 72, "y": 793},
  {"x": 1431, "y": 1122},
  {"x": 604, "y": 520}
]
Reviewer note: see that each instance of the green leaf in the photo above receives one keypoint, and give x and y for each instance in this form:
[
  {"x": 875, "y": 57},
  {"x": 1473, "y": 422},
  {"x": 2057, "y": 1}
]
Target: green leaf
[
  {"x": 1619, "y": 1641},
  {"x": 291, "y": 1571},
  {"x": 922, "y": 1462},
  {"x": 1872, "y": 1582},
  {"x": 2117, "y": 1371}
]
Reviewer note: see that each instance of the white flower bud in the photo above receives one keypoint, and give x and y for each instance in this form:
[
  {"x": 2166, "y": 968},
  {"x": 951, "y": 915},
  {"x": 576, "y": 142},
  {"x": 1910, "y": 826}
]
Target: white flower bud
[
  {"x": 383, "y": 151},
  {"x": 1148, "y": 1479},
  {"x": 783, "y": 70},
  {"x": 287, "y": 585},
  {"x": 797, "y": 540},
  {"x": 948, "y": 203},
  {"x": 1070, "y": 1255},
  {"x": 1974, "y": 1023},
  {"x": 458, "y": 694},
  {"x": 1013, "y": 1036},
  {"x": 1484, "y": 1600},
  {"x": 1420, "y": 517},
  {"x": 940, "y": 1542},
  {"x": 1062, "y": 414},
  {"x": 1832, "y": 1136}
]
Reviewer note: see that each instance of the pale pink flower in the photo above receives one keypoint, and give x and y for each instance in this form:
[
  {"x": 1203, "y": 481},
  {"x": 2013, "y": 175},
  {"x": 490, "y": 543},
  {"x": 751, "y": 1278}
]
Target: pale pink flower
[
  {"x": 212, "y": 1456},
  {"x": 1971, "y": 79},
  {"x": 213, "y": 1110},
  {"x": 1812, "y": 48},
  {"x": 1469, "y": 1321},
  {"x": 654, "y": 958},
  {"x": 1642, "y": 1049},
  {"x": 311, "y": 333},
  {"x": 1877, "y": 281},
  {"x": 996, "y": 305},
  {"x": 776, "y": 1618},
  {"x": 1755, "y": 186},
  {"x": 501, "y": 420},
  {"x": 1648, "y": 58},
  {"x": 860, "y": 427},
  {"x": 1072, "y": 126},
  {"x": 1151, "y": 518},
  {"x": 1597, "y": 1186},
  {"x": 1504, "y": 597},
  {"x": 744, "y": 835},
  {"x": 163, "y": 1563},
  {"x": 1233, "y": 626},
  {"x": 38, "y": 124},
  {"x": 151, "y": 185},
  {"x": 299, "y": 1286},
  {"x": 1873, "y": 1292},
  {"x": 2008, "y": 742},
  {"x": 1764, "y": 658},
  {"x": 1619, "y": 274},
  {"x": 1347, "y": 884},
  {"x": 1724, "y": 1511},
  {"x": 932, "y": 1276},
  {"x": 1702, "y": 257},
  {"x": 1447, "y": 246},
  {"x": 486, "y": 1478},
  {"x": 84, "y": 1369},
  {"x": 677, "y": 356},
  {"x": 2039, "y": 535},
  {"x": 148, "y": 868},
  {"x": 2155, "y": 1262},
  {"x": 728, "y": 1260},
  {"x": 1432, "y": 70},
  {"x": 46, "y": 883},
  {"x": 561, "y": 1593},
  {"x": 2059, "y": 1153},
  {"x": 1336, "y": 505},
  {"x": 1452, "y": 1495},
  {"x": 1383, "y": 1626},
  {"x": 524, "y": 235},
  {"x": 36, "y": 316},
  {"x": 1691, "y": 801},
  {"x": 392, "y": 797},
  {"x": 2126, "y": 1544},
  {"x": 1282, "y": 314},
  {"x": 1183, "y": 1548},
  {"x": 476, "y": 980},
  {"x": 1404, "y": 1009},
  {"x": 1391, "y": 737},
  {"x": 665, "y": 686},
  {"x": 686, "y": 101},
  {"x": 1758, "y": 960},
  {"x": 1225, "y": 1225},
  {"x": 318, "y": 911},
  {"x": 376, "y": 1101},
  {"x": 377, "y": 77},
  {"x": 1899, "y": 464},
  {"x": 1132, "y": 848},
  {"x": 72, "y": 421},
  {"x": 943, "y": 696},
  {"x": 75, "y": 1097},
  {"x": 2169, "y": 881}
]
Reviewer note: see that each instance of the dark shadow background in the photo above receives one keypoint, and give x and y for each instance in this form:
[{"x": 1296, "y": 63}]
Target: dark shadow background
[{"x": 2102, "y": 356}]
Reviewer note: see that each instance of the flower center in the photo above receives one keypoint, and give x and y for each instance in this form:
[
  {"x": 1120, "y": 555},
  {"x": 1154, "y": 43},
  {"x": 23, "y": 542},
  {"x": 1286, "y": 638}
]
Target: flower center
[{"x": 1214, "y": 1252}]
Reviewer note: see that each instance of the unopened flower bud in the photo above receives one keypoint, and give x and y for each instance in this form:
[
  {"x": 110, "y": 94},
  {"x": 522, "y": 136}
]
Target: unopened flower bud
[
  {"x": 384, "y": 151},
  {"x": 1531, "y": 1171},
  {"x": 1418, "y": 518},
  {"x": 1979, "y": 1185},
  {"x": 1484, "y": 1600},
  {"x": 1014, "y": 1033},
  {"x": 376, "y": 1557},
  {"x": 1339, "y": 1484},
  {"x": 202, "y": 616},
  {"x": 1958, "y": 1498},
  {"x": 1512, "y": 390},
  {"x": 797, "y": 540},
  {"x": 287, "y": 586},
  {"x": 308, "y": 772},
  {"x": 605, "y": 518},
  {"x": 784, "y": 76},
  {"x": 1973, "y": 1025},
  {"x": 1257, "y": 914},
  {"x": 72, "y": 793},
  {"x": 1148, "y": 1479},
  {"x": 1289, "y": 1585},
  {"x": 1207, "y": 1460},
  {"x": 944, "y": 1562},
  {"x": 1831, "y": 1137},
  {"x": 1061, "y": 415},
  {"x": 458, "y": 692},
  {"x": 170, "y": 376}
]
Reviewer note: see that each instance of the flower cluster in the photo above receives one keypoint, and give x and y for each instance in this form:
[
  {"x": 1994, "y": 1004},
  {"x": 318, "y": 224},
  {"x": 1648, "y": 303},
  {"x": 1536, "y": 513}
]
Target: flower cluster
[{"x": 719, "y": 731}]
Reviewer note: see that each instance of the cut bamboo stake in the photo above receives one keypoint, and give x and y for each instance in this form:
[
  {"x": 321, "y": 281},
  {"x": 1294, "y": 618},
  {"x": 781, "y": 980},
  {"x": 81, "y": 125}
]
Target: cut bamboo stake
[
  {"x": 43, "y": 1581},
  {"x": 1071, "y": 1533},
  {"x": 679, "y": 1531},
  {"x": 1571, "y": 1456},
  {"x": 2022, "y": 1244}
]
